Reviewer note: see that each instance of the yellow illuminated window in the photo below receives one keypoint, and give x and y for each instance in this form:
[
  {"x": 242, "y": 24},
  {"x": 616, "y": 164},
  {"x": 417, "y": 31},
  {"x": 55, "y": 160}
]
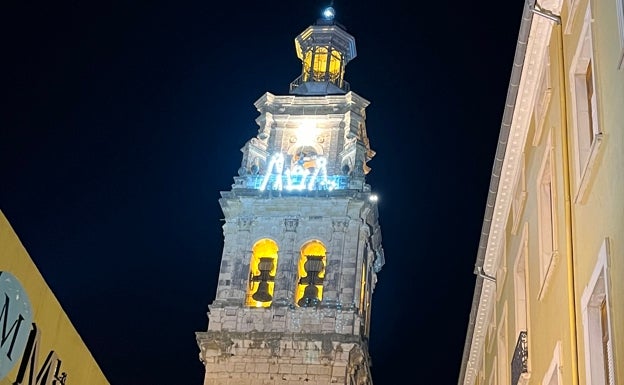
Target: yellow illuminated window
[
  {"x": 311, "y": 274},
  {"x": 263, "y": 267},
  {"x": 319, "y": 67},
  {"x": 322, "y": 64},
  {"x": 307, "y": 64},
  {"x": 335, "y": 65}
]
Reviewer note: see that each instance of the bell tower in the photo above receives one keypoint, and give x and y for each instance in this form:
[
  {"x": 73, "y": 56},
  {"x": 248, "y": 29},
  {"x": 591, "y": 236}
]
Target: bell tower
[{"x": 302, "y": 241}]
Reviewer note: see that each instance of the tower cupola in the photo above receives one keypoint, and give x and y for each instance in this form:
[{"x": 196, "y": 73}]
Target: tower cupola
[{"x": 324, "y": 48}]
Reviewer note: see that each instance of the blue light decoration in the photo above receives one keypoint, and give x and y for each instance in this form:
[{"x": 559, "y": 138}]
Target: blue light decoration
[
  {"x": 329, "y": 13},
  {"x": 309, "y": 173}
]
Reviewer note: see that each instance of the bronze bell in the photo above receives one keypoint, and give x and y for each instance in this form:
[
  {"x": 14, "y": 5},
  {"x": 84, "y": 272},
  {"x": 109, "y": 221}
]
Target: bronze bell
[
  {"x": 313, "y": 267},
  {"x": 262, "y": 293}
]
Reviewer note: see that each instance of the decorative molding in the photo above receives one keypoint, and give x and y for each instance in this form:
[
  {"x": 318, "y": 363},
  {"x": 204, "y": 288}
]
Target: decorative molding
[
  {"x": 340, "y": 225},
  {"x": 244, "y": 223},
  {"x": 536, "y": 49},
  {"x": 291, "y": 224}
]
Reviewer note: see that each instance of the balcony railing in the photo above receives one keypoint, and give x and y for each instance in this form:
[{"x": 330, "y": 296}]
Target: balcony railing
[
  {"x": 520, "y": 358},
  {"x": 341, "y": 84}
]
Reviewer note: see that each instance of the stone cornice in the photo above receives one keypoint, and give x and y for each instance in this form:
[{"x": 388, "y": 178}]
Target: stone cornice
[
  {"x": 269, "y": 99},
  {"x": 512, "y": 138}
]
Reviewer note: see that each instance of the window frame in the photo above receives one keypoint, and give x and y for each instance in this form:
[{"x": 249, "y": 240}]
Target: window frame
[
  {"x": 543, "y": 96},
  {"x": 554, "y": 369},
  {"x": 502, "y": 348},
  {"x": 588, "y": 132},
  {"x": 501, "y": 271},
  {"x": 521, "y": 283},
  {"x": 597, "y": 291},
  {"x": 547, "y": 218},
  {"x": 519, "y": 196},
  {"x": 491, "y": 330},
  {"x": 620, "y": 20},
  {"x": 572, "y": 12},
  {"x": 493, "y": 378}
]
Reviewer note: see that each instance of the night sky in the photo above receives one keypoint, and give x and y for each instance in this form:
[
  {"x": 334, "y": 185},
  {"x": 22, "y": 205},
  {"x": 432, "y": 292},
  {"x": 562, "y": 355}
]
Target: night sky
[{"x": 121, "y": 122}]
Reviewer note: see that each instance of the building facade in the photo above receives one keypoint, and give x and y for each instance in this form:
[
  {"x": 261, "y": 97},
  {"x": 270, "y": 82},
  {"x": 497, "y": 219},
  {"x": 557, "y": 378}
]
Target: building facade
[
  {"x": 548, "y": 305},
  {"x": 302, "y": 241},
  {"x": 38, "y": 343}
]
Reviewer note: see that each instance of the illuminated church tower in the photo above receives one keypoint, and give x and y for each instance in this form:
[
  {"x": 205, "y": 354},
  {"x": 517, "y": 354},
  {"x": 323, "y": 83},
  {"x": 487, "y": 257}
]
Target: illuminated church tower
[{"x": 302, "y": 242}]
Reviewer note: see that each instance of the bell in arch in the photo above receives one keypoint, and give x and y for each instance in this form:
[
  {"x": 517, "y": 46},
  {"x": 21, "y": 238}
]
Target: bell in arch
[
  {"x": 313, "y": 266},
  {"x": 262, "y": 293}
]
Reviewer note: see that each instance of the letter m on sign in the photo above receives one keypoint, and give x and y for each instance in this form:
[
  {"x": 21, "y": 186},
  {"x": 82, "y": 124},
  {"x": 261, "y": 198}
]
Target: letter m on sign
[
  {"x": 48, "y": 374},
  {"x": 15, "y": 320},
  {"x": 8, "y": 335}
]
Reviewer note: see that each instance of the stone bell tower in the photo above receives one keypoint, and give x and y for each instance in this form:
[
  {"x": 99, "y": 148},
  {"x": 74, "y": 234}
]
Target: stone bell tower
[{"x": 302, "y": 242}]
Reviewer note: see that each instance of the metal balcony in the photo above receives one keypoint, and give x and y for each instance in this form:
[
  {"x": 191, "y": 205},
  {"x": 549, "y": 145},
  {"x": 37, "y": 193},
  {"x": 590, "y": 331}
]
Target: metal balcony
[
  {"x": 311, "y": 87},
  {"x": 520, "y": 358}
]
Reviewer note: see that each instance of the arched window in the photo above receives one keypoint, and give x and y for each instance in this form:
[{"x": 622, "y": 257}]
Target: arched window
[
  {"x": 262, "y": 269},
  {"x": 309, "y": 289}
]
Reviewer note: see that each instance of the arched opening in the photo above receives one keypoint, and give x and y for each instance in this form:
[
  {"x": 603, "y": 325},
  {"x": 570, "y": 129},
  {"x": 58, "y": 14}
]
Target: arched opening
[
  {"x": 311, "y": 274},
  {"x": 262, "y": 269}
]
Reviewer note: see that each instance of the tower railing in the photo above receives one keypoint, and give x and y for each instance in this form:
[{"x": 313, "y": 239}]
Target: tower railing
[
  {"x": 519, "y": 361},
  {"x": 343, "y": 85}
]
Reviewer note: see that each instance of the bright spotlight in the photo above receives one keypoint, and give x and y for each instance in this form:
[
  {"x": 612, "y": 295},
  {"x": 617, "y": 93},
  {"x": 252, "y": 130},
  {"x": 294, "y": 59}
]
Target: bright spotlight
[
  {"x": 373, "y": 198},
  {"x": 307, "y": 132},
  {"x": 329, "y": 13}
]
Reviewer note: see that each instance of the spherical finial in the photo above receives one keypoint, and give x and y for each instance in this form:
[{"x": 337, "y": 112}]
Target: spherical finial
[{"x": 329, "y": 13}]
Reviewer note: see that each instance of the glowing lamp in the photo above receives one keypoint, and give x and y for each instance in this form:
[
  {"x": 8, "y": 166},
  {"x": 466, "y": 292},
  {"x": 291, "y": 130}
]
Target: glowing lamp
[
  {"x": 329, "y": 13},
  {"x": 307, "y": 133}
]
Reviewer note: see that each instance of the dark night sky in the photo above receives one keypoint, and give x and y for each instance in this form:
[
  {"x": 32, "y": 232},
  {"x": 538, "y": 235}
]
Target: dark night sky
[{"x": 122, "y": 122}]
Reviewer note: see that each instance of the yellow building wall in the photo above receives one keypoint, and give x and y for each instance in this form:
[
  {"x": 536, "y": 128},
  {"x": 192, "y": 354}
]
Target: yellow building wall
[
  {"x": 548, "y": 297},
  {"x": 601, "y": 214},
  {"x": 56, "y": 330},
  {"x": 555, "y": 313},
  {"x": 547, "y": 303}
]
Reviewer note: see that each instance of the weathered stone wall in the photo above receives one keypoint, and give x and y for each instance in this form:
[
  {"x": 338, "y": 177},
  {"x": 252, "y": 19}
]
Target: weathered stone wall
[
  {"x": 257, "y": 358},
  {"x": 288, "y": 319}
]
